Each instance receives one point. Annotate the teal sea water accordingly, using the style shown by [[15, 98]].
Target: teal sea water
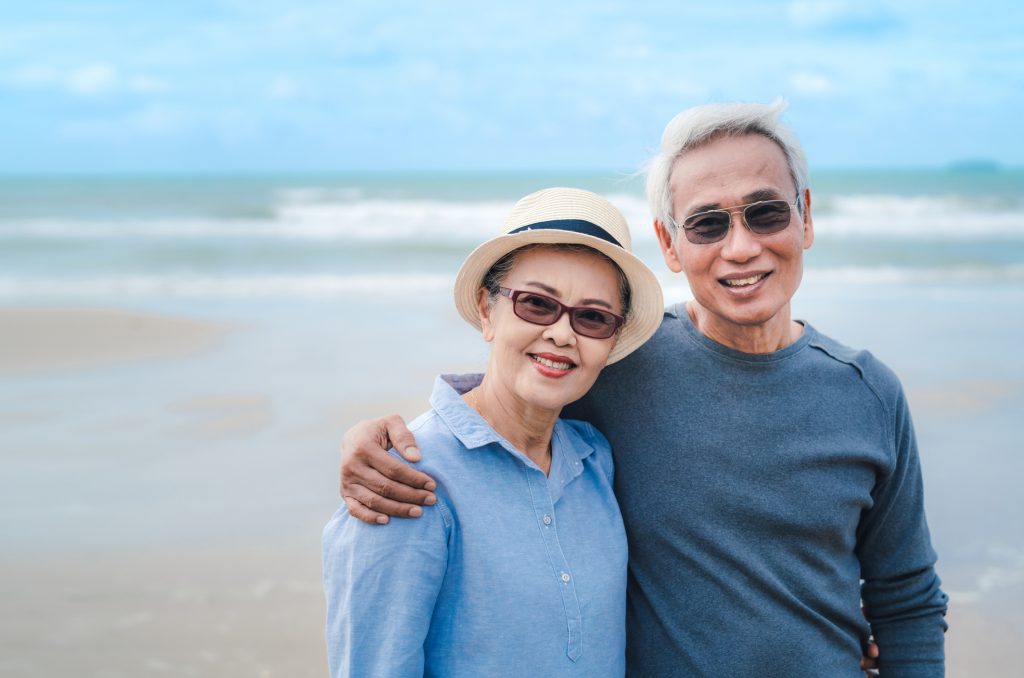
[[338, 293], [199, 238]]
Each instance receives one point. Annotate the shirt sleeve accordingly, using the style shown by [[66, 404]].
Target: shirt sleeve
[[381, 584], [901, 591]]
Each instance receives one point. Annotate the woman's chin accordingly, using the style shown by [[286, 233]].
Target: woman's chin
[[554, 396]]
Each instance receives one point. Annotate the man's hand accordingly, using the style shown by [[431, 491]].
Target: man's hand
[[869, 662], [374, 484]]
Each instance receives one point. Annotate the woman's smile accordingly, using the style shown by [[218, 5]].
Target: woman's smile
[[551, 365]]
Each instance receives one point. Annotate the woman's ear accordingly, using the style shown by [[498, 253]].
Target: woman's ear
[[483, 308]]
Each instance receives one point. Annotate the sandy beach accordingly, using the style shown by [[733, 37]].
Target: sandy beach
[[47, 339], [224, 610], [163, 509], [230, 231], [179, 360], [165, 489]]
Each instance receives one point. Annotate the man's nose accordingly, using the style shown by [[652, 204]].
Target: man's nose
[[740, 243]]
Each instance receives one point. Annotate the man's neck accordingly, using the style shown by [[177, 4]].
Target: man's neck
[[776, 334]]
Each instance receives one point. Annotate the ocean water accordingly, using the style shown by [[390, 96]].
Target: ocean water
[[198, 238], [338, 293]]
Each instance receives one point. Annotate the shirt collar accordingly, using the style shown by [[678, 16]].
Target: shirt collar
[[472, 431]]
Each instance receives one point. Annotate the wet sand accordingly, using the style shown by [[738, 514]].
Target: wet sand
[[231, 610], [167, 477], [49, 339]]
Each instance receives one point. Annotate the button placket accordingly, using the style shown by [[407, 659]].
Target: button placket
[[544, 509]]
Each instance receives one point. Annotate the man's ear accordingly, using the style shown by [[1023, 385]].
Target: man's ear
[[808, 221], [483, 308], [667, 246]]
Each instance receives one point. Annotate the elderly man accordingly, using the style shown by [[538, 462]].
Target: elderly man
[[768, 475]]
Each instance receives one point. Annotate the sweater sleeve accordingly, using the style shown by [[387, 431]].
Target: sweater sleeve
[[381, 586], [901, 591]]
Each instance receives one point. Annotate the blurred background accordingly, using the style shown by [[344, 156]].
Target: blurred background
[[229, 230]]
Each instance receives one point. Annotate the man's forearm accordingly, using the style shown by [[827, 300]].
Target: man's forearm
[[912, 648]]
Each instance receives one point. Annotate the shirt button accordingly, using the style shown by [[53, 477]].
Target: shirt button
[[566, 577], [547, 520]]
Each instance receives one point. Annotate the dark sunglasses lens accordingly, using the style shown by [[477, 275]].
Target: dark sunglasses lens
[[767, 217], [707, 227], [536, 308], [593, 323]]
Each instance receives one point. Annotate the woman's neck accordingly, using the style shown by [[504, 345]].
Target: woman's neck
[[527, 427]]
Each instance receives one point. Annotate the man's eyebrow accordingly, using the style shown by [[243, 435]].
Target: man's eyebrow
[[555, 293], [707, 207], [755, 196], [762, 194]]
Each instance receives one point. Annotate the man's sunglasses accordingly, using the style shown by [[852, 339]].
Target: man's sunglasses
[[763, 218], [538, 309]]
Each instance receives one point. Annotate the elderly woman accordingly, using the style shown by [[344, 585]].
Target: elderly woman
[[520, 567]]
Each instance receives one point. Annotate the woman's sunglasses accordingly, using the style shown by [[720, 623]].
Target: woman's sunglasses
[[538, 309], [763, 218]]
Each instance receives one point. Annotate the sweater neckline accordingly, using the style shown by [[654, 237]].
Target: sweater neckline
[[707, 343]]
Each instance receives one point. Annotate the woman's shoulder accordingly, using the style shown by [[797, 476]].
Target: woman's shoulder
[[435, 442], [585, 432], [439, 446], [443, 455]]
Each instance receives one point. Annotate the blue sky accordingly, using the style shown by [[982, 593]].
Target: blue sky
[[268, 85]]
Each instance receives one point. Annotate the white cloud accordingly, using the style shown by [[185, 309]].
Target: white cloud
[[283, 88], [92, 79], [150, 121], [810, 13], [863, 18], [810, 83], [156, 119], [144, 84], [33, 76], [88, 80], [631, 52]]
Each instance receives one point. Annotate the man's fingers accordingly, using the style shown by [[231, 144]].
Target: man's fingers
[[410, 453], [869, 661], [380, 484], [400, 472], [401, 439], [377, 505], [368, 468], [358, 446], [357, 510]]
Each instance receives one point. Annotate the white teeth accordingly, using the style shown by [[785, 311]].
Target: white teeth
[[551, 363], [740, 282]]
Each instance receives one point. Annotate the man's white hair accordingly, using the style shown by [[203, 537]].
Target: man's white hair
[[697, 126]]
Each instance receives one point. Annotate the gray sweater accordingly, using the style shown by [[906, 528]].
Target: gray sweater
[[758, 491]]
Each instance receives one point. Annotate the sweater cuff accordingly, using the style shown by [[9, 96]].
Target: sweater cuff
[[912, 648]]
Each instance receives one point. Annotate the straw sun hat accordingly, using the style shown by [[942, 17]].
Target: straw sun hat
[[569, 216]]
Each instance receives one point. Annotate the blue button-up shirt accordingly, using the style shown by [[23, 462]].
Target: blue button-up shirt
[[512, 572]]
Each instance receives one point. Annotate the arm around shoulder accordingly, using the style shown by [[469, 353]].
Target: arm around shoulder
[[376, 485]]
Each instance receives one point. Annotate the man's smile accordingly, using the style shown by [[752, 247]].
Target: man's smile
[[744, 282]]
